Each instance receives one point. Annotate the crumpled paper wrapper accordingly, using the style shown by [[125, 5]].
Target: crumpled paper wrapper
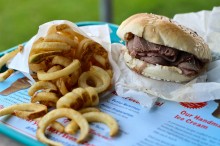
[[98, 33], [146, 90]]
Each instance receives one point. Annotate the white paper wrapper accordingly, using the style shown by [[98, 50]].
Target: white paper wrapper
[[205, 23], [146, 91]]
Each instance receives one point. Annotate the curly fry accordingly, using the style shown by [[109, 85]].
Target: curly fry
[[58, 113], [74, 66], [25, 110], [41, 85]]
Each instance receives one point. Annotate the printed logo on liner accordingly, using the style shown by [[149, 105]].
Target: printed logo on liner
[[193, 105]]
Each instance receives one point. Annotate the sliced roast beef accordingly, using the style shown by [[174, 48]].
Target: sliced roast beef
[[163, 55], [152, 57], [154, 60], [189, 64]]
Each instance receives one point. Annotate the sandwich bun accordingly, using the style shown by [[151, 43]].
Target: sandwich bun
[[163, 31]]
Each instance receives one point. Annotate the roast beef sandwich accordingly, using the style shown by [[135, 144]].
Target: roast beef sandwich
[[159, 48]]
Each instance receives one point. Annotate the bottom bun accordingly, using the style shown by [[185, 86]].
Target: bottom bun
[[158, 72]]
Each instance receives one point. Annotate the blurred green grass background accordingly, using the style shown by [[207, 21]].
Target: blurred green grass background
[[19, 20]]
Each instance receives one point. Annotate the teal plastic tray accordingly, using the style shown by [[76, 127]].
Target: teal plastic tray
[[23, 139]]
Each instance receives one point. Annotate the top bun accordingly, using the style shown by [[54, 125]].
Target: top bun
[[163, 31]]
